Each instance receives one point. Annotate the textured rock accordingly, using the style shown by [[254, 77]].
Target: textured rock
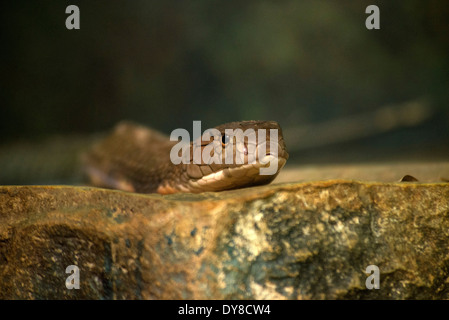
[[380, 172], [290, 241]]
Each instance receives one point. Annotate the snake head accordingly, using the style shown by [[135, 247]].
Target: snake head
[[235, 155]]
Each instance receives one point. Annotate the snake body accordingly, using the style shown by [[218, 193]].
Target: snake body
[[137, 159]]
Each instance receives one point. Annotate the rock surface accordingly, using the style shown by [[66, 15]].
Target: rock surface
[[380, 172], [311, 240]]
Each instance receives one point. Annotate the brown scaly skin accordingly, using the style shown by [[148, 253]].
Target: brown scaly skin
[[137, 159]]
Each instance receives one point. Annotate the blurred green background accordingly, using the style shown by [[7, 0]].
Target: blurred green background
[[310, 65]]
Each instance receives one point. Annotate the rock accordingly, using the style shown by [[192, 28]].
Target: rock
[[310, 240], [424, 171]]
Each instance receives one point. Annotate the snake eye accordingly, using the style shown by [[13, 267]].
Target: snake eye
[[224, 139]]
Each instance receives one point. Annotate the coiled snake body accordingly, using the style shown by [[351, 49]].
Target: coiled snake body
[[137, 159]]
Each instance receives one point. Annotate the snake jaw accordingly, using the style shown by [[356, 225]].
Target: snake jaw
[[249, 168], [236, 177]]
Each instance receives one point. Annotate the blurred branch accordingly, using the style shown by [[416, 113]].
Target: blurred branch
[[384, 119]]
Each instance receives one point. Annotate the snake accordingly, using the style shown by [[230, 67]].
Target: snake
[[135, 158]]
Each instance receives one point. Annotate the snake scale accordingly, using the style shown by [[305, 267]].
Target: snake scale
[[137, 159]]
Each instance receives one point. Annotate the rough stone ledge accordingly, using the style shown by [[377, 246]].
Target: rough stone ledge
[[309, 240]]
